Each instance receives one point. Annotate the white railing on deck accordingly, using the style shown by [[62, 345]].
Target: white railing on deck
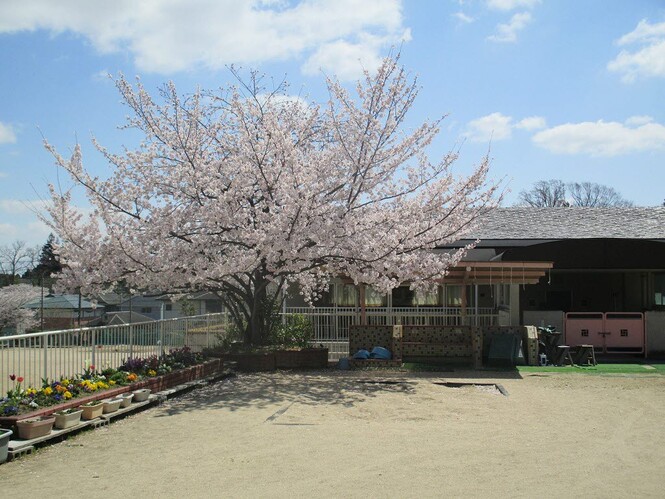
[[331, 324], [52, 354]]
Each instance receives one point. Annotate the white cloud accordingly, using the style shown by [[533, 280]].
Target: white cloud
[[34, 232], [497, 126], [18, 207], [8, 233], [494, 126], [101, 75], [648, 59], [7, 135], [602, 138], [531, 123], [3, 175], [507, 33], [461, 16], [511, 4], [638, 120], [179, 35], [347, 60], [643, 33]]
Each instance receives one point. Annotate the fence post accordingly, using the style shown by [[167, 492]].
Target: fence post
[[93, 344], [161, 336], [131, 339], [45, 340], [207, 330]]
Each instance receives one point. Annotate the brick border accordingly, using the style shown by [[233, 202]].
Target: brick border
[[156, 384]]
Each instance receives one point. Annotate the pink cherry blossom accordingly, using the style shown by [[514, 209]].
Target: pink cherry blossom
[[247, 190]]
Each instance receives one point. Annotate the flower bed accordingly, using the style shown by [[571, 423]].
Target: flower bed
[[155, 373], [306, 358]]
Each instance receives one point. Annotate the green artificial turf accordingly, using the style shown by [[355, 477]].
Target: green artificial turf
[[636, 368]]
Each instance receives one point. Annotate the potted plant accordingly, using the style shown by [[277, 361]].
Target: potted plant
[[66, 418], [35, 427], [126, 399], [4, 444], [141, 395], [92, 409], [111, 405]]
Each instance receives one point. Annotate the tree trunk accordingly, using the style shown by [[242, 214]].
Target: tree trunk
[[258, 327]]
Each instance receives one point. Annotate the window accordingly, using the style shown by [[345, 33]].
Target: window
[[146, 310], [213, 306], [346, 295], [454, 295], [169, 307], [374, 298], [427, 298], [659, 289]]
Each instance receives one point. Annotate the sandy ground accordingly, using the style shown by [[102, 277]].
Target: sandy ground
[[332, 435]]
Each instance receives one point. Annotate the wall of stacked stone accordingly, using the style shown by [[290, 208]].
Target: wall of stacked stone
[[420, 342]]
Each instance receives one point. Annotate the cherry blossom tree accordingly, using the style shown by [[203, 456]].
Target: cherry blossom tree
[[12, 299], [246, 190]]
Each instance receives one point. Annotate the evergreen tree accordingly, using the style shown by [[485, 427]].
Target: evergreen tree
[[48, 262]]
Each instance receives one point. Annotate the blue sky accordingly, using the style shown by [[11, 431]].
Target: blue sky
[[563, 89]]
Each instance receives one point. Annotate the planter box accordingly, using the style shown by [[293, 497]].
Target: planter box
[[92, 411], [111, 405], [126, 399], [63, 421], [307, 358], [155, 384], [4, 444], [141, 395], [35, 428], [252, 362]]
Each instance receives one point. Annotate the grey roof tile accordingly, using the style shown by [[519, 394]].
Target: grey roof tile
[[572, 223]]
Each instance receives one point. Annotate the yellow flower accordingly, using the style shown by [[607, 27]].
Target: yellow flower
[[48, 390], [111, 383], [67, 395], [64, 382], [152, 372]]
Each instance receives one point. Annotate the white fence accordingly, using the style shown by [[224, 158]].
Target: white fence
[[331, 324], [52, 354]]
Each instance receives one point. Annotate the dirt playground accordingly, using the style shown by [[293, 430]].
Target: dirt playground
[[371, 434]]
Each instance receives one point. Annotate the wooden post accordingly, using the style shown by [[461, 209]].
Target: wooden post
[[363, 310]]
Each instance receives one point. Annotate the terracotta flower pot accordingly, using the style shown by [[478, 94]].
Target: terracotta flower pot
[[141, 395], [35, 427], [67, 420], [92, 411], [126, 399], [111, 405]]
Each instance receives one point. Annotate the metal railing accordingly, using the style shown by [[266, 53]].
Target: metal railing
[[331, 324], [52, 354]]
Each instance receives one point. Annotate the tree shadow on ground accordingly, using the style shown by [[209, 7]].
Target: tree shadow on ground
[[328, 388]]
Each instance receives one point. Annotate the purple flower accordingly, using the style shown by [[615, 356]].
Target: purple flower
[[10, 410]]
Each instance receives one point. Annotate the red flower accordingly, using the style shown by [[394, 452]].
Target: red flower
[[20, 379], [12, 377], [92, 367]]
